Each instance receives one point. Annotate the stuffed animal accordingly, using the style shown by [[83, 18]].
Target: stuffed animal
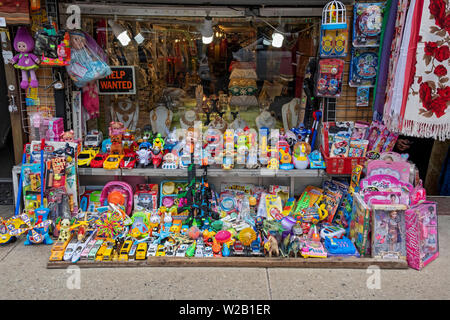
[[90, 99], [25, 61], [64, 231], [116, 144], [116, 128]]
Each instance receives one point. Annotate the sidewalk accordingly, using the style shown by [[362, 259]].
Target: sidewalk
[[24, 276]]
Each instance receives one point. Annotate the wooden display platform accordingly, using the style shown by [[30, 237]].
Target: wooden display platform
[[239, 262]]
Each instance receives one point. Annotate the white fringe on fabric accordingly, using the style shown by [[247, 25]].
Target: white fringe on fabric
[[426, 130]]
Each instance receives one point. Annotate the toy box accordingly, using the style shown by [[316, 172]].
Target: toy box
[[146, 198], [422, 245], [389, 232], [360, 225]]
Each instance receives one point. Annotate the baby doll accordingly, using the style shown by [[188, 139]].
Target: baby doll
[[25, 60]]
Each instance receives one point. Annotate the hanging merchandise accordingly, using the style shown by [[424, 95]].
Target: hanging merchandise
[[25, 61], [426, 90], [362, 96], [90, 99], [334, 31], [329, 78], [367, 23], [88, 61], [52, 47], [363, 67]]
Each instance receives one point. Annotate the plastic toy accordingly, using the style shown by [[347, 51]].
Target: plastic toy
[[300, 155], [271, 246], [123, 188], [85, 157], [363, 68], [157, 156], [93, 139], [98, 160], [238, 249], [143, 154], [128, 161], [339, 246], [331, 231], [112, 162], [25, 61], [247, 236], [106, 145], [367, 24], [274, 206], [170, 161], [53, 47], [316, 160], [313, 249]]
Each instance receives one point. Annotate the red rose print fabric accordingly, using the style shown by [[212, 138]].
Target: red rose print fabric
[[427, 112]]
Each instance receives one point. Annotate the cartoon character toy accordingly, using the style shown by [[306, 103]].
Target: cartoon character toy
[[25, 61]]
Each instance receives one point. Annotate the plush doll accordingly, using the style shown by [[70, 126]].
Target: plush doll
[[25, 60], [90, 99]]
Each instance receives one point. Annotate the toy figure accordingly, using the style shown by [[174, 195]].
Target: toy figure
[[271, 246], [67, 136], [64, 230], [26, 61], [393, 230]]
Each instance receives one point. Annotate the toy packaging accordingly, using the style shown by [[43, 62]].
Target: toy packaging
[[389, 232], [52, 47], [363, 69], [362, 96], [422, 243], [329, 78], [340, 147], [88, 61], [358, 148], [360, 225], [333, 43], [367, 23]]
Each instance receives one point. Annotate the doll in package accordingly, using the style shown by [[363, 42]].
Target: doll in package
[[88, 61]]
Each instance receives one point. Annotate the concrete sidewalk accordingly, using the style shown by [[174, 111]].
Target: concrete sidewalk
[[24, 276]]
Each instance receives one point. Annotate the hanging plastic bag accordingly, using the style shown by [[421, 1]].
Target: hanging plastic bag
[[88, 61]]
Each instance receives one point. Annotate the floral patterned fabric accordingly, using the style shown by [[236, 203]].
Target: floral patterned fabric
[[426, 111]]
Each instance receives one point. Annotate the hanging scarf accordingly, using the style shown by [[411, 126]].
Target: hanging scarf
[[427, 93], [383, 54]]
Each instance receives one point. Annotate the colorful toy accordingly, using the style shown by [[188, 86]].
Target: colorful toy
[[339, 247], [422, 244], [271, 246], [53, 47], [119, 188], [300, 155], [313, 249], [367, 24], [363, 68], [329, 80], [25, 61]]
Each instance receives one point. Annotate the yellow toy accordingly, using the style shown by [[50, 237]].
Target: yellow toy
[[247, 236]]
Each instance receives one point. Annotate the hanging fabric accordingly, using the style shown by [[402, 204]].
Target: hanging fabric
[[425, 112]]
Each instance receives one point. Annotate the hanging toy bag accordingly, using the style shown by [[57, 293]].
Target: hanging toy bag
[[88, 61]]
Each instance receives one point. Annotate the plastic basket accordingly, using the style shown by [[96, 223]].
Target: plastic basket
[[341, 165]]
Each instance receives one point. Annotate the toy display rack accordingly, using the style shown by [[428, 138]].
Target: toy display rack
[[240, 262]]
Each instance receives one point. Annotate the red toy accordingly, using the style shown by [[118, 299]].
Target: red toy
[[128, 161], [157, 157], [97, 162]]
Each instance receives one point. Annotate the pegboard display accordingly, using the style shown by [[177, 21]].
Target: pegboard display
[[344, 108]]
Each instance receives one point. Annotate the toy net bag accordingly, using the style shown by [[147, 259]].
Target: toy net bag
[[88, 61]]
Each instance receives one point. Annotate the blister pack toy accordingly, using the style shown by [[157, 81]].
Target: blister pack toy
[[340, 147], [333, 43], [363, 68], [362, 96], [329, 78], [367, 24], [52, 47]]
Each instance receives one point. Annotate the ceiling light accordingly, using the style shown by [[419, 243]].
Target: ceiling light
[[277, 39], [120, 33]]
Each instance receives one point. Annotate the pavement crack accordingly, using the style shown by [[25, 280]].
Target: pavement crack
[[268, 283]]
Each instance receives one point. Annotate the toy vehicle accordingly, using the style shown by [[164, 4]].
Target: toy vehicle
[[181, 251], [128, 161], [256, 249], [87, 249], [85, 157], [112, 161], [160, 252], [58, 249], [170, 251], [93, 139], [238, 249], [92, 254], [68, 253], [101, 251], [123, 253], [208, 253], [152, 248], [132, 252], [141, 251], [107, 254], [98, 160], [330, 231], [143, 156]]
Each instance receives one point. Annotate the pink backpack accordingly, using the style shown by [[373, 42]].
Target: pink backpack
[[122, 187]]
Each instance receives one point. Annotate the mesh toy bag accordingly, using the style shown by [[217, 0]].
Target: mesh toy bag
[[88, 61]]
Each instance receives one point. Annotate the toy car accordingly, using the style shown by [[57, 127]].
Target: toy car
[[160, 252], [181, 251], [98, 160], [123, 254], [112, 161], [238, 249], [70, 250], [132, 252], [141, 251], [256, 249], [92, 254], [85, 157], [152, 248], [93, 139], [170, 251], [128, 161], [107, 254], [101, 251], [199, 252]]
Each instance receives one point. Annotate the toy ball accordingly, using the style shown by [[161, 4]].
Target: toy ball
[[194, 233], [247, 236], [223, 236], [116, 197]]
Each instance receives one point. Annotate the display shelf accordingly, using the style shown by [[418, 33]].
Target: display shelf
[[98, 172], [242, 262]]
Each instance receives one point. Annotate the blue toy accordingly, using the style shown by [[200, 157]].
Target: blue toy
[[316, 160], [340, 246], [106, 145], [225, 250]]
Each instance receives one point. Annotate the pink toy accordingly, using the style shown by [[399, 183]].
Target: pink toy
[[384, 182], [374, 132], [390, 142], [418, 194], [223, 236], [422, 245], [399, 170], [25, 60], [116, 128], [383, 197], [360, 131], [67, 136], [124, 188], [90, 99]]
